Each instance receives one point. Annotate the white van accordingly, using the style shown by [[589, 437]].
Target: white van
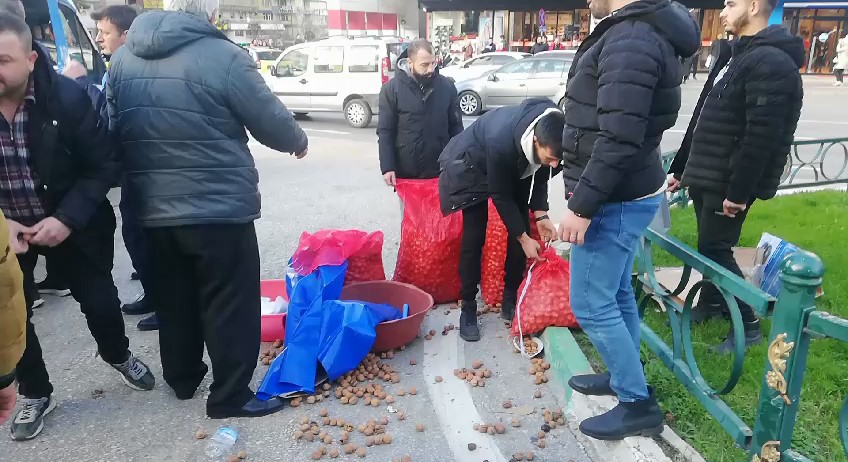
[[336, 74]]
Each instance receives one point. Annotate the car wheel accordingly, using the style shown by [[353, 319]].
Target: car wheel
[[358, 113], [470, 104]]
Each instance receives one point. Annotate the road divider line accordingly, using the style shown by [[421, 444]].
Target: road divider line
[[451, 398], [320, 130]]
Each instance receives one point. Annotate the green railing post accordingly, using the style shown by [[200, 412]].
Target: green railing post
[[801, 274]]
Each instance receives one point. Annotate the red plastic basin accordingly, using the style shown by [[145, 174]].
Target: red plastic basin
[[400, 332], [273, 325]]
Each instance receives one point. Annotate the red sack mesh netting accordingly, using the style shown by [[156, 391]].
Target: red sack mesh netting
[[363, 252], [494, 256], [546, 302], [428, 257]]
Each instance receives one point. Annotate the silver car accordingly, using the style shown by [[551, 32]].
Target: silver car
[[542, 77]]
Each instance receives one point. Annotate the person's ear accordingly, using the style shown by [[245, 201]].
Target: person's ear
[[33, 56]]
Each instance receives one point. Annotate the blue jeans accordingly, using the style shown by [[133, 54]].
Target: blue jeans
[[602, 295]]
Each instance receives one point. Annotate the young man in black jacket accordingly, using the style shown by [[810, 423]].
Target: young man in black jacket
[[508, 154], [623, 93], [419, 114], [739, 139], [58, 164]]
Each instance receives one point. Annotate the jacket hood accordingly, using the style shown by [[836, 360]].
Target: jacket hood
[[778, 37], [159, 33], [670, 19]]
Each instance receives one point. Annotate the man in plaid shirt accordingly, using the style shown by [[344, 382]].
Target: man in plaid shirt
[[56, 166]]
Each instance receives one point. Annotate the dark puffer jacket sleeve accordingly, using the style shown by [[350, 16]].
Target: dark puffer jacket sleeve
[[629, 67], [258, 109], [387, 128], [770, 88]]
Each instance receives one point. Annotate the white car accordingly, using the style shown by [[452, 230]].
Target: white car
[[475, 67]]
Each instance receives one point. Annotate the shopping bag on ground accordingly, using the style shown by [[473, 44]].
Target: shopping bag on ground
[[494, 256], [543, 299], [428, 257], [362, 250]]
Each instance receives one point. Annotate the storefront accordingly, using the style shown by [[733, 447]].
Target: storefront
[[820, 25]]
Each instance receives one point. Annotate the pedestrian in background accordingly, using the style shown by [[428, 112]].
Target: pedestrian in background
[[58, 165], [419, 114], [180, 96], [840, 63], [540, 45], [509, 155], [738, 141], [13, 316], [623, 94]]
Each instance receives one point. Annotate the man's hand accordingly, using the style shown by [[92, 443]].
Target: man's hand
[[301, 154], [390, 179], [50, 232], [673, 184], [573, 228], [732, 208], [7, 402], [531, 247], [19, 236], [546, 229], [74, 70]]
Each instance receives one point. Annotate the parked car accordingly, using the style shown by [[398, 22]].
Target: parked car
[[557, 54], [534, 77], [264, 57], [475, 67], [336, 74]]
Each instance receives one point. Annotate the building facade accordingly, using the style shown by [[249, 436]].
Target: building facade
[[399, 18]]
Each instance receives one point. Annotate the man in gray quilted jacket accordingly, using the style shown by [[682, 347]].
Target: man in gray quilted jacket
[[180, 97]]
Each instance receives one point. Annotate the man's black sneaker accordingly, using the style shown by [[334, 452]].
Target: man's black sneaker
[[138, 307], [468, 328], [149, 323], [753, 336], [592, 384], [135, 374], [253, 408], [29, 421], [508, 304], [52, 286]]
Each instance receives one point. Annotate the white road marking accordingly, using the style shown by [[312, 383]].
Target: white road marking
[[452, 400], [331, 132]]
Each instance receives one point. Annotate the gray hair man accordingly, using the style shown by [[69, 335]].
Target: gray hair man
[[180, 97]]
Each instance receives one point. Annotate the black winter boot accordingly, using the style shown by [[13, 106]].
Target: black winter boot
[[468, 328], [753, 336], [508, 305], [592, 384], [703, 311], [639, 418]]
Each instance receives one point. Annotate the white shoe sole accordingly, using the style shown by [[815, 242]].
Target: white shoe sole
[[55, 292], [50, 406], [37, 303]]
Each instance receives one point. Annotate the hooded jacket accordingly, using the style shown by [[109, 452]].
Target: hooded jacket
[[416, 122], [743, 127], [12, 310], [491, 159], [623, 93], [180, 96]]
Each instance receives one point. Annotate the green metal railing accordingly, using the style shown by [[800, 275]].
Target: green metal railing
[[795, 322]]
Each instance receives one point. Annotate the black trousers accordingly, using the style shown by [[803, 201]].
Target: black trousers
[[205, 286], [84, 261], [474, 221], [839, 74], [717, 235], [134, 239]]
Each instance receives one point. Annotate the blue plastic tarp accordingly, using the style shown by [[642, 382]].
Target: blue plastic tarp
[[320, 328]]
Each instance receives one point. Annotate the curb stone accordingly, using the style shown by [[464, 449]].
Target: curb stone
[[566, 359]]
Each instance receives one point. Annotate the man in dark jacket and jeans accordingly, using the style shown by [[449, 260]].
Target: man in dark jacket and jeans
[[623, 93], [508, 155], [738, 141], [180, 96], [419, 114], [58, 164]]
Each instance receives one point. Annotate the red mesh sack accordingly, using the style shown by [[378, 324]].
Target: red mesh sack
[[363, 252], [428, 257], [494, 256], [546, 299]]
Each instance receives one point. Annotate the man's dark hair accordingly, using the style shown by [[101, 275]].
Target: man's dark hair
[[419, 44], [121, 16], [548, 131], [14, 24]]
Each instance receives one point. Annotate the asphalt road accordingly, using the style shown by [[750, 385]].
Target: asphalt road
[[337, 186]]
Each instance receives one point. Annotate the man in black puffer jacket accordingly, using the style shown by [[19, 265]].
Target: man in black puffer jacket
[[508, 155], [623, 93], [419, 114], [738, 141]]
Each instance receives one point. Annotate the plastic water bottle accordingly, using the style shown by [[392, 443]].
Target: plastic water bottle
[[220, 445]]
